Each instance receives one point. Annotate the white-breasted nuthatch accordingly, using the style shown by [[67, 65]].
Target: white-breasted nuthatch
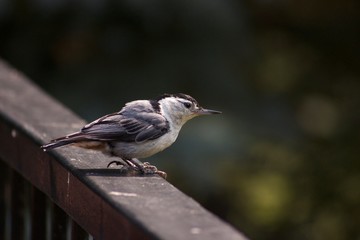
[[140, 129]]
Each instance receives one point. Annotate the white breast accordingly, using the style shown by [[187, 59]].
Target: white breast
[[144, 149]]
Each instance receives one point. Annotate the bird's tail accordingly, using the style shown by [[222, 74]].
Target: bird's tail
[[58, 142]]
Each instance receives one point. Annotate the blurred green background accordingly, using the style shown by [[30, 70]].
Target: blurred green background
[[282, 161]]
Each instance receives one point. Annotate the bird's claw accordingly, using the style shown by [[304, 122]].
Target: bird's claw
[[116, 162], [147, 168], [162, 174]]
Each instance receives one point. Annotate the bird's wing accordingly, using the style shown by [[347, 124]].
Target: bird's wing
[[138, 127]]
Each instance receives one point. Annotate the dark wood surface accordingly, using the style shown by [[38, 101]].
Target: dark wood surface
[[106, 203]]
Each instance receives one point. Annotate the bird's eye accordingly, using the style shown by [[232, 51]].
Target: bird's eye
[[187, 104]]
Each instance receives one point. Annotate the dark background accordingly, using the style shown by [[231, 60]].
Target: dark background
[[282, 161]]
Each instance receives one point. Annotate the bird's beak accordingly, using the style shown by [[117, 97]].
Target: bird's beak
[[204, 111]]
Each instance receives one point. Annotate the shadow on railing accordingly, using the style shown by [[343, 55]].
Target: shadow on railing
[[69, 194]]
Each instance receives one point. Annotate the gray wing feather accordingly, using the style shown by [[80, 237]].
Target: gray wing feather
[[138, 127]]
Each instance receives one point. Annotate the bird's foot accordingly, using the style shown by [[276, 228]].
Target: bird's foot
[[161, 174], [116, 162], [124, 166], [135, 165], [147, 168]]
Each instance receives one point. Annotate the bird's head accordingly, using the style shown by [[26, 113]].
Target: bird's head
[[181, 107]]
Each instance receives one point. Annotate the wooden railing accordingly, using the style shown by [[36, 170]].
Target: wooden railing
[[69, 193]]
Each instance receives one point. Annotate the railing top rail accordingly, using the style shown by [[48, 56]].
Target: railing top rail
[[105, 203]]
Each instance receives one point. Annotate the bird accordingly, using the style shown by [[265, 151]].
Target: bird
[[139, 130]]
